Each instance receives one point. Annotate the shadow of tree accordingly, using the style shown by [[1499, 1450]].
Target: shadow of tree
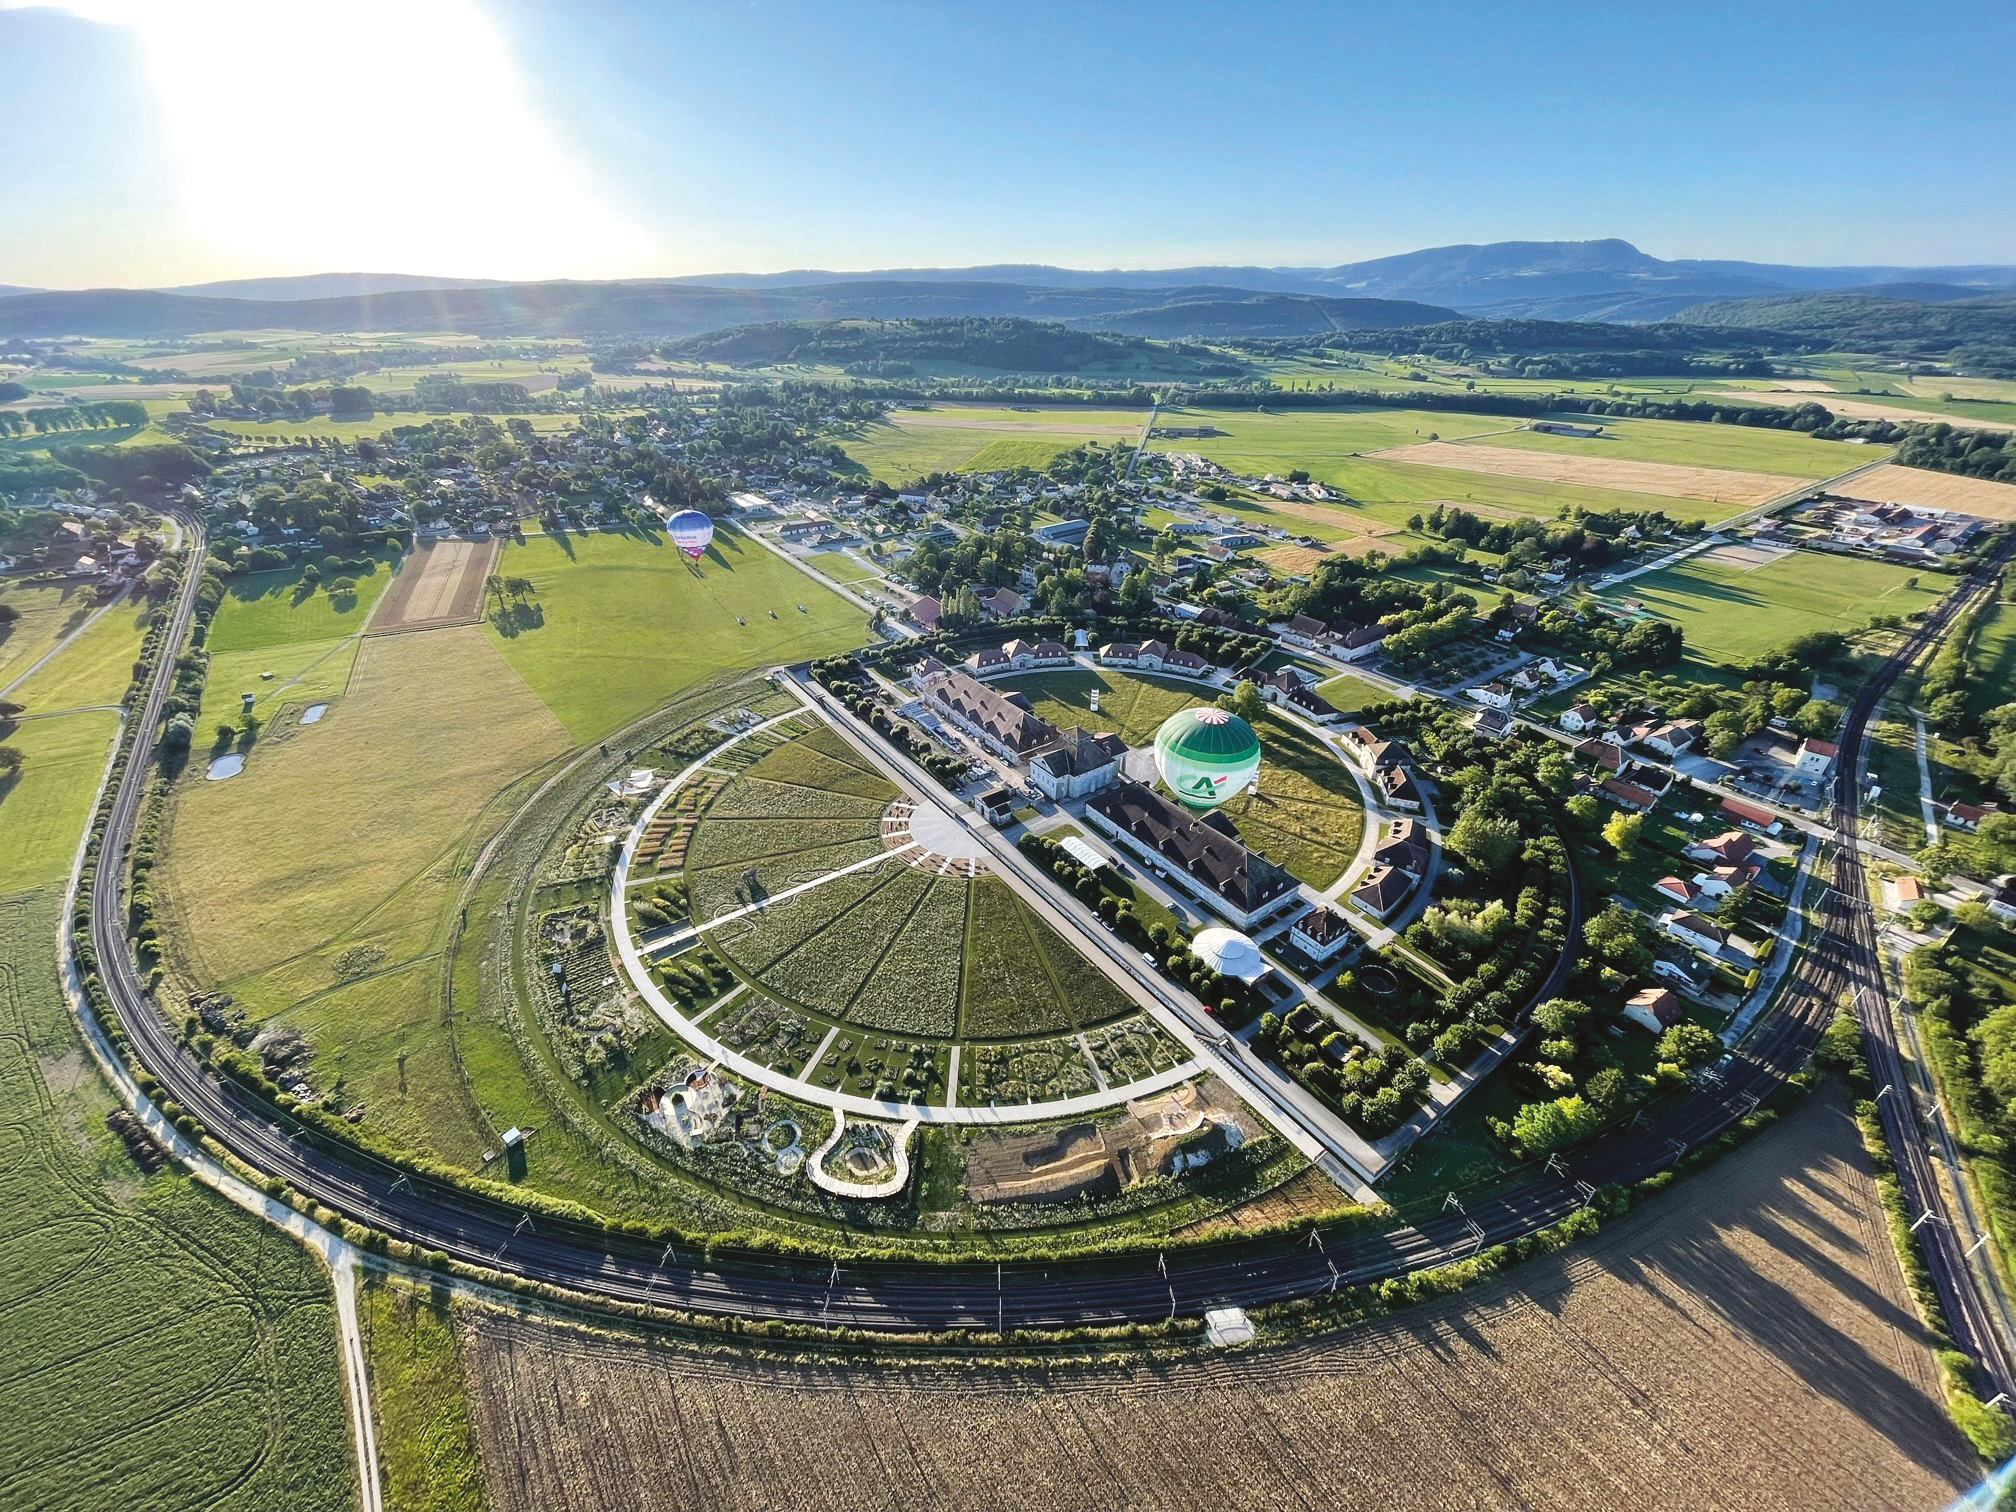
[[514, 620]]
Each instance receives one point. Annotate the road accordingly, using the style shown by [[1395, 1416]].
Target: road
[[909, 1295]]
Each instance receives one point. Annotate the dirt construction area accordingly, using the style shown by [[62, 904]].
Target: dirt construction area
[[1743, 1342], [439, 583], [1721, 485], [1892, 484]]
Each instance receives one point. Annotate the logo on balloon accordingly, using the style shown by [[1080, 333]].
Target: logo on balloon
[[691, 531]]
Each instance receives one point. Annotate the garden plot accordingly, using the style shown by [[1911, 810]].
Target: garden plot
[[915, 986], [832, 966], [1028, 1071]]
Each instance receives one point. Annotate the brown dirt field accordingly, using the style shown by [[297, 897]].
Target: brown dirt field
[[438, 584], [1742, 1343], [1854, 409], [1297, 560], [1709, 484], [1892, 484]]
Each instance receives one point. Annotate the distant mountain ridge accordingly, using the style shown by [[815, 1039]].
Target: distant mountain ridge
[[1607, 280]]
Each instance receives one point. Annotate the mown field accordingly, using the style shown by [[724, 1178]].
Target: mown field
[[1733, 612], [44, 806], [341, 831], [268, 609], [93, 670], [420, 1406], [1742, 1343], [1688, 443], [46, 612], [1308, 815], [624, 624], [912, 444], [1994, 656]]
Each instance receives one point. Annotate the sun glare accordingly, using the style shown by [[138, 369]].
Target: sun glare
[[373, 134]]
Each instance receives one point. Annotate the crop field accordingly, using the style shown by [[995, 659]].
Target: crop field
[[1709, 485], [1732, 613], [439, 583], [1742, 1343], [93, 670], [911, 444], [326, 827], [1694, 444], [266, 609], [1307, 816], [163, 1349], [45, 806], [625, 624], [1892, 484]]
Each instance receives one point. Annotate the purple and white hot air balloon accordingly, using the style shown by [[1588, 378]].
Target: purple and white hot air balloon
[[691, 531]]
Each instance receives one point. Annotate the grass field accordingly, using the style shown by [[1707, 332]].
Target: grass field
[[94, 669], [1994, 656], [419, 1403], [48, 612], [329, 824], [972, 438], [1352, 693], [162, 1348], [1687, 443], [262, 609], [44, 807], [1732, 613], [304, 672], [626, 625], [1307, 816], [1757, 1309]]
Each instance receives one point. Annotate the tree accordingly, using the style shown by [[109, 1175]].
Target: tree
[[1245, 701], [1616, 936], [11, 760], [1621, 833], [1544, 1126], [1584, 810], [1689, 1045], [1489, 842]]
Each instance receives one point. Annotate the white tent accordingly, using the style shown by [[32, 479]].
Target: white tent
[[1229, 953]]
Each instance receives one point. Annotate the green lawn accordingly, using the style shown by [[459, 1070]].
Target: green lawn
[[276, 609], [1731, 613], [1352, 693], [44, 807], [1994, 658], [1687, 443], [626, 624]]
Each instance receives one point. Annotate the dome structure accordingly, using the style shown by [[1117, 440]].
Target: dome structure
[[1229, 953], [1206, 755]]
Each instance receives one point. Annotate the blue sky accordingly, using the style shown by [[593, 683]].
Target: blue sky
[[163, 141]]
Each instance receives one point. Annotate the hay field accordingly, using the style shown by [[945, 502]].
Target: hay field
[[1732, 611], [1893, 484], [1869, 409], [623, 625], [1717, 485], [1743, 1343], [162, 1348], [328, 823]]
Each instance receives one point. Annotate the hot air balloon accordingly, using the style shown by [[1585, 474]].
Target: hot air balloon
[[691, 531], [1206, 756]]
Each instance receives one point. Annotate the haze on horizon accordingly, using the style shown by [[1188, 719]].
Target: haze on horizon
[[181, 141]]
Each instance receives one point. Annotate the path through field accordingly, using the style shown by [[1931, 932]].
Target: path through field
[[1743, 1343]]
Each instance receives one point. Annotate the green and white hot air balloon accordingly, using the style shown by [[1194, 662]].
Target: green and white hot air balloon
[[1206, 756]]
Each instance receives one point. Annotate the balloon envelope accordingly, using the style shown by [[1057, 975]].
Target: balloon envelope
[[1206, 756], [691, 531]]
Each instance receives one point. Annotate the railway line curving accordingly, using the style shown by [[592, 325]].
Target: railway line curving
[[954, 1296]]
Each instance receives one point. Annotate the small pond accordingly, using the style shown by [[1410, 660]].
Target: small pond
[[226, 766], [313, 712]]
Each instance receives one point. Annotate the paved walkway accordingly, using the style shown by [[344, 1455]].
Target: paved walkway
[[888, 1186], [1925, 783], [1671, 559]]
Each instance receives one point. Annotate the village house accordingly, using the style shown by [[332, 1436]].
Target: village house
[[1815, 758], [1494, 724], [1672, 739], [1655, 1008], [1581, 718]]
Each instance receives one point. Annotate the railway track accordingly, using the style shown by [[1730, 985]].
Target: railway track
[[909, 1296]]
